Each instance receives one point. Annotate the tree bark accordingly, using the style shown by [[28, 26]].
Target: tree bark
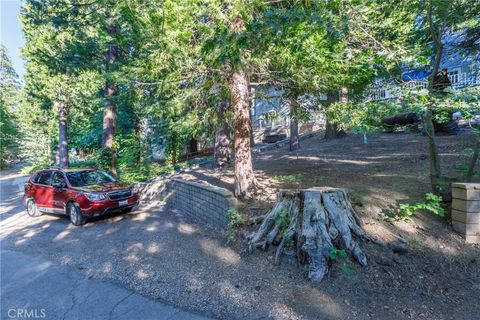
[[193, 146], [223, 144], [62, 134], [252, 136], [294, 138], [110, 119], [473, 161], [435, 169], [245, 182], [310, 224], [110, 114]]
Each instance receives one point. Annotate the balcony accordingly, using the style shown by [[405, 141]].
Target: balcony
[[394, 90]]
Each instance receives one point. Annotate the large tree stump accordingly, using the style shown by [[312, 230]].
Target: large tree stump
[[311, 223]]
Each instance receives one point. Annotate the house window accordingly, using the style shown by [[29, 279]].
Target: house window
[[454, 76]]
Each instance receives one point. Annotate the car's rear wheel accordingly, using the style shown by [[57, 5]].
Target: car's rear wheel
[[32, 209], [75, 214]]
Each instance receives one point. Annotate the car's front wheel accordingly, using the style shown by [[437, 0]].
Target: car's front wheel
[[75, 215], [32, 209]]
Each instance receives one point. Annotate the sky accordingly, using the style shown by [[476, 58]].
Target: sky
[[11, 34]]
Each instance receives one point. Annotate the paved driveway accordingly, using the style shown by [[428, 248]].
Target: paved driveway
[[33, 286], [151, 253]]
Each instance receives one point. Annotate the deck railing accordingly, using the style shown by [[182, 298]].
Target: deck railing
[[392, 90]]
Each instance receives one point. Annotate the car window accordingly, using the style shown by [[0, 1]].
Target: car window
[[44, 178], [58, 180], [89, 178], [35, 178]]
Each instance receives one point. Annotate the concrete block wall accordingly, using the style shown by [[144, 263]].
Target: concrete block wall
[[466, 210], [203, 203]]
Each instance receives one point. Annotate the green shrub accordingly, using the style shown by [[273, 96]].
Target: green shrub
[[283, 218], [432, 204], [234, 219], [340, 254], [335, 253], [83, 164]]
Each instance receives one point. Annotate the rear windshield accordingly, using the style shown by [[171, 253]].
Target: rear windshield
[[89, 178]]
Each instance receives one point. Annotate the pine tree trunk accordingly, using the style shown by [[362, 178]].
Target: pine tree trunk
[[294, 138], [110, 119], [110, 114], [252, 136], [193, 146], [435, 169], [245, 182], [223, 145], [62, 134], [473, 161]]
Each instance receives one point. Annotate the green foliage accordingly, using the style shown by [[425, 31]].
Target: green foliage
[[34, 167], [340, 254], [283, 218], [347, 270], [431, 204], [365, 117], [292, 178], [103, 158], [233, 219], [335, 253], [83, 164], [175, 60], [9, 96], [9, 134]]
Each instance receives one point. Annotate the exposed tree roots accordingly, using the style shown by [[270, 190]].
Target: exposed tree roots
[[310, 223]]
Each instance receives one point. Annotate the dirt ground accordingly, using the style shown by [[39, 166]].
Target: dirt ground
[[437, 278], [165, 256]]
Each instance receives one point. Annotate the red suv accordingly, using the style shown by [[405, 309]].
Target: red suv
[[78, 193]]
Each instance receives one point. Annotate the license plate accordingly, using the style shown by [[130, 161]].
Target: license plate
[[123, 203]]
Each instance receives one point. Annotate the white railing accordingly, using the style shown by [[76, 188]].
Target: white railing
[[390, 91]]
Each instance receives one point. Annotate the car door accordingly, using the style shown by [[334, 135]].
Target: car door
[[44, 191], [59, 186]]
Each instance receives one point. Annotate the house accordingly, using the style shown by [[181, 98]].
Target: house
[[463, 70], [270, 112]]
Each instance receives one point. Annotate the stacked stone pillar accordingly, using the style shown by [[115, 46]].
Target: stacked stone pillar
[[466, 210]]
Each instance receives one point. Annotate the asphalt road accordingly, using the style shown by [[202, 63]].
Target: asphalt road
[[34, 287]]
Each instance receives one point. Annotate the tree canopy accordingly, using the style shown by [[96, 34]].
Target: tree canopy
[[125, 80]]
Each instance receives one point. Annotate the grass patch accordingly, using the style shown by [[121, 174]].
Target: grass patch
[[291, 178]]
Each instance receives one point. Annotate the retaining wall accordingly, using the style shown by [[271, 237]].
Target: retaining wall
[[203, 203]]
